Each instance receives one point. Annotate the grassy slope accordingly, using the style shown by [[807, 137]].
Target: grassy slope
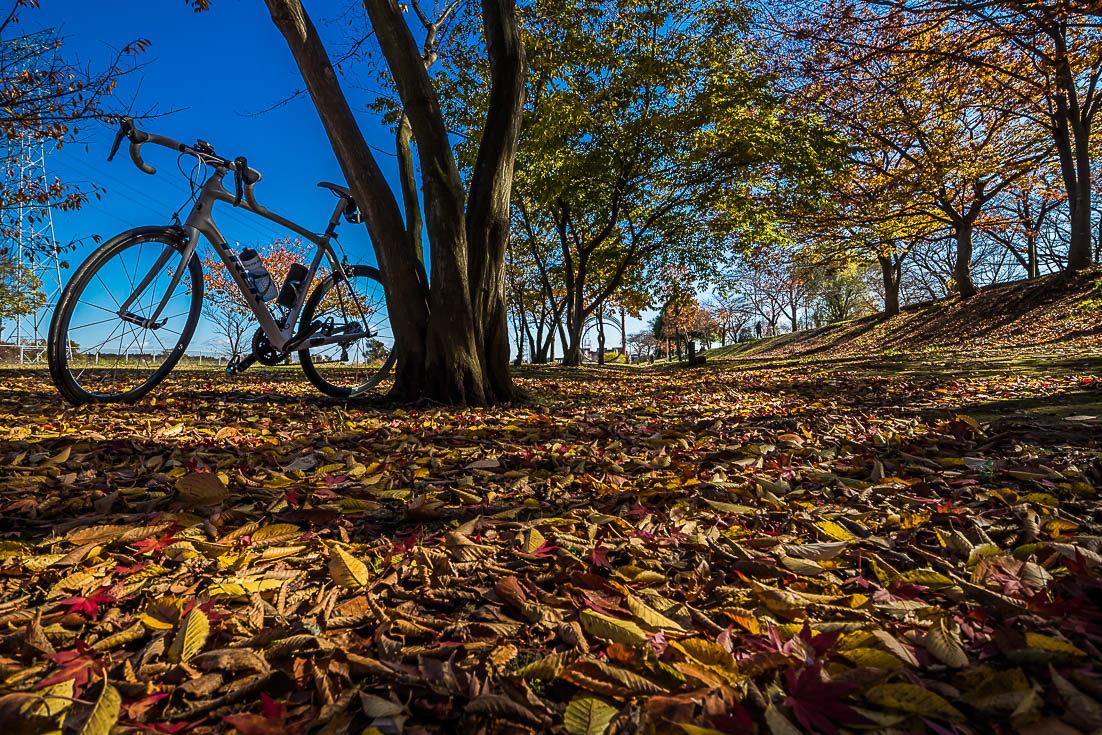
[[1054, 316], [1050, 327]]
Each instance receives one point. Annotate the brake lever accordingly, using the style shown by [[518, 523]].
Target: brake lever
[[115, 146]]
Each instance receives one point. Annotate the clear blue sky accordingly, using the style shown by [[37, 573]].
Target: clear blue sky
[[210, 72], [215, 69]]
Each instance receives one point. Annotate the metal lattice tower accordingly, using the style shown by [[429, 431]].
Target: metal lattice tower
[[28, 226]]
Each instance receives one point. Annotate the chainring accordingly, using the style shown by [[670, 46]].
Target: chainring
[[265, 353]]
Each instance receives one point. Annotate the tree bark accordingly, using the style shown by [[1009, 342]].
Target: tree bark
[[403, 139], [451, 335], [373, 195], [1098, 243], [600, 337], [962, 269], [889, 273], [573, 355], [623, 333], [1071, 132]]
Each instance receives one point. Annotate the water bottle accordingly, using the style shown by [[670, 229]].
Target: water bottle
[[258, 274]]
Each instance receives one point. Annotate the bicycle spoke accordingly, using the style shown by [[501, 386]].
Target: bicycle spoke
[[135, 354]]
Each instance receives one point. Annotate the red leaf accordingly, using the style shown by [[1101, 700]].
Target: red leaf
[[816, 703]]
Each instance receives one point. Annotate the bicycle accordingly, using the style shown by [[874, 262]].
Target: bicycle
[[339, 329]]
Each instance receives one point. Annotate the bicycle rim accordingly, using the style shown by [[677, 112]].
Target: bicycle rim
[[357, 304], [102, 356]]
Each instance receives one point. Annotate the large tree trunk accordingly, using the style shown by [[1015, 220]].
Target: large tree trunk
[[1072, 139], [1032, 267], [451, 337], [573, 354], [1098, 243], [600, 337], [1079, 248], [624, 333], [891, 285], [384, 221], [962, 270]]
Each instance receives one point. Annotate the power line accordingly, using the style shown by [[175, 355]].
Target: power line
[[120, 187]]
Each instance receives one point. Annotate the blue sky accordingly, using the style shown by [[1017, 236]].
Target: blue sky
[[208, 74]]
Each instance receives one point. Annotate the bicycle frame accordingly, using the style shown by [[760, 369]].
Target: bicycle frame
[[200, 221]]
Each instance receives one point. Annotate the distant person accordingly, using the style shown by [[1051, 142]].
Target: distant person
[[757, 328]]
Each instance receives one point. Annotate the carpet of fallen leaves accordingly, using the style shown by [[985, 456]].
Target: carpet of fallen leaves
[[701, 551]]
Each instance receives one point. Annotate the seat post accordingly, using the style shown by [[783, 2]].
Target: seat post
[[342, 203]]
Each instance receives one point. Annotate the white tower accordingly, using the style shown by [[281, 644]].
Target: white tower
[[27, 221]]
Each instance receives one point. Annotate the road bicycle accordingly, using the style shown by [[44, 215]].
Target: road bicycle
[[128, 313]]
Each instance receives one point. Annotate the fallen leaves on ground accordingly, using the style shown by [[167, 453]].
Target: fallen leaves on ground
[[705, 551]]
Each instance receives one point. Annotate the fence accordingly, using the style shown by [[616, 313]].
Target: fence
[[35, 354]]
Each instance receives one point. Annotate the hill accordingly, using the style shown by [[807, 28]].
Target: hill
[[1055, 315]]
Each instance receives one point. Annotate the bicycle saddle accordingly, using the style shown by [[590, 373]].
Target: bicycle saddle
[[350, 213], [341, 191]]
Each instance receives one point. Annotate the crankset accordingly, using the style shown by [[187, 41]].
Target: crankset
[[264, 352]]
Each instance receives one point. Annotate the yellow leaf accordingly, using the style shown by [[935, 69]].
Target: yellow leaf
[[191, 637], [346, 570], [873, 658], [61, 457], [532, 540], [548, 667], [275, 531], [913, 699], [834, 531], [56, 699], [1046, 643], [944, 645], [105, 713], [588, 716], [162, 614], [620, 631], [650, 617], [927, 577]]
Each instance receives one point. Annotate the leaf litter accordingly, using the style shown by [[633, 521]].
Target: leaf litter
[[709, 551]]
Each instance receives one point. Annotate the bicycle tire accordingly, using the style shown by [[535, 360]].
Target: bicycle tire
[[306, 360], [58, 345]]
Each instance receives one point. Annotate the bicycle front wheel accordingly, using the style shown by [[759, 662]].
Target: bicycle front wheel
[[102, 345], [354, 304]]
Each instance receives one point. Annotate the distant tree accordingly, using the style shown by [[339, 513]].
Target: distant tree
[[644, 344], [46, 99], [641, 140], [225, 307], [943, 128], [20, 290], [840, 291], [1045, 58], [731, 311], [1027, 211]]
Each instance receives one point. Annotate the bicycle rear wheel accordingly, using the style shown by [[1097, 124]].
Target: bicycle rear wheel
[[99, 352], [354, 304]]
